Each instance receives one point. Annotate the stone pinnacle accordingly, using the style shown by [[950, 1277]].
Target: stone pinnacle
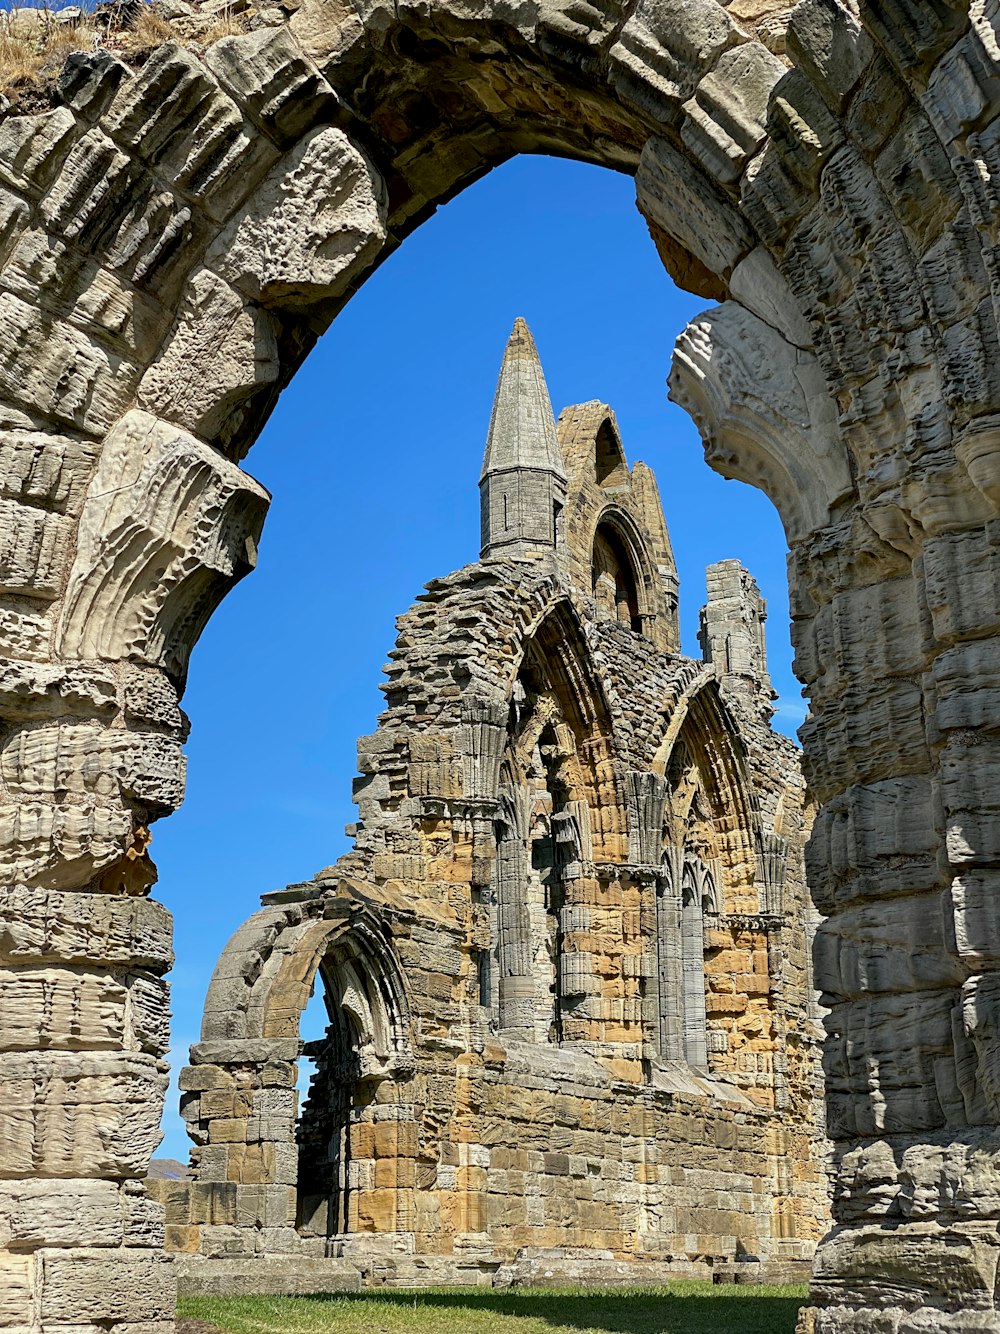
[[522, 431]]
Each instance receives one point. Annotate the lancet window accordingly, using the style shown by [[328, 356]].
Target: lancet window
[[689, 897], [615, 585], [542, 841]]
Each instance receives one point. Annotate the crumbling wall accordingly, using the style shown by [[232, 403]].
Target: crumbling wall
[[495, 1141], [839, 199]]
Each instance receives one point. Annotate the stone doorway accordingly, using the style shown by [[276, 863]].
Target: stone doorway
[[323, 1130]]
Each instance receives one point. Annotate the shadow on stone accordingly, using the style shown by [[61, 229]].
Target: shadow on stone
[[624, 1311]]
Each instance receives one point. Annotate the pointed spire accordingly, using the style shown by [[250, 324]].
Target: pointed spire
[[523, 482], [522, 428]]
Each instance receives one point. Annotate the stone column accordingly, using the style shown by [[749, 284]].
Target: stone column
[[91, 756], [83, 1032]]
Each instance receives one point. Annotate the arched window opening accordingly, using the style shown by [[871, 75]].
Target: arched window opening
[[614, 582], [547, 787], [707, 882], [323, 1133], [351, 1058], [693, 964], [538, 839], [610, 468]]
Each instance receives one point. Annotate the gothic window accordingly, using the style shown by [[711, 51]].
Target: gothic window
[[711, 900], [610, 468], [482, 977], [693, 962], [543, 839], [356, 1050], [668, 955], [613, 580], [535, 841]]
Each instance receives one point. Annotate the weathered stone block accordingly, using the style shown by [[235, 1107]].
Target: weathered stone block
[[277, 86], [679, 200], [40, 924], [92, 1286], [184, 508], [33, 149], [313, 228], [36, 1213], [217, 158], [725, 120], [223, 350], [664, 49], [59, 370], [76, 1114]]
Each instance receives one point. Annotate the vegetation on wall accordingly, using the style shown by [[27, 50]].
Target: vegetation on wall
[[36, 40]]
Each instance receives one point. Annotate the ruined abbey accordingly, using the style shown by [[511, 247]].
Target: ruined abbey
[[178, 225], [566, 963]]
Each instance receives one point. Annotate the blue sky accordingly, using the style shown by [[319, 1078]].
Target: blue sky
[[373, 458]]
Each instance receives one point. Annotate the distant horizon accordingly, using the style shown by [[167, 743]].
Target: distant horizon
[[373, 456]]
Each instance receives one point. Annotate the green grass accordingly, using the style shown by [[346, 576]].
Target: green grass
[[684, 1308]]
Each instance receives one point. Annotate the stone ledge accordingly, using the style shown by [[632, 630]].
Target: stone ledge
[[290, 1275], [279, 1275]]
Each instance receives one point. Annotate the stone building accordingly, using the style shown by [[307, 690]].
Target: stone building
[[177, 227], [566, 963]]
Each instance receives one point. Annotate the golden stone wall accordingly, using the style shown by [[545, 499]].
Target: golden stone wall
[[566, 963]]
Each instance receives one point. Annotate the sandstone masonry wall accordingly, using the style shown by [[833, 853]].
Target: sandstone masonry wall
[[832, 182], [562, 1070]]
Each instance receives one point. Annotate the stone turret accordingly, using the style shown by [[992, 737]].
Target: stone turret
[[523, 482], [732, 632]]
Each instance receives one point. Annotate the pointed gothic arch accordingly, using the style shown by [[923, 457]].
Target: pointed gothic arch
[[556, 778], [300, 1177], [711, 827]]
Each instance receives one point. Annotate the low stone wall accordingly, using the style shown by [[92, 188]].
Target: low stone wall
[[535, 1268], [543, 1150]]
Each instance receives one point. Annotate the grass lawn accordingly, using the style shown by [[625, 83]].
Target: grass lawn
[[683, 1308]]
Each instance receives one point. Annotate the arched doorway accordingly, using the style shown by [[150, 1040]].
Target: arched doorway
[[355, 1055]]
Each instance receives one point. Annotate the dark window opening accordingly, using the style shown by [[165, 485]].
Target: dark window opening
[[614, 583], [610, 468]]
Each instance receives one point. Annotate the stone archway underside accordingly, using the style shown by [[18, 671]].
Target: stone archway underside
[[172, 241]]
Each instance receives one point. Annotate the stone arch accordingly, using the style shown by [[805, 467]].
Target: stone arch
[[701, 722], [213, 211], [709, 828], [267, 972], [559, 807], [290, 1167], [620, 556], [610, 467]]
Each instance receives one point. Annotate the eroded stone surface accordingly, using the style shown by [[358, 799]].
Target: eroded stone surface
[[568, 976], [857, 149]]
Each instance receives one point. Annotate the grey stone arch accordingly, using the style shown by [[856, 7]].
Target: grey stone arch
[[837, 191], [297, 1181]]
